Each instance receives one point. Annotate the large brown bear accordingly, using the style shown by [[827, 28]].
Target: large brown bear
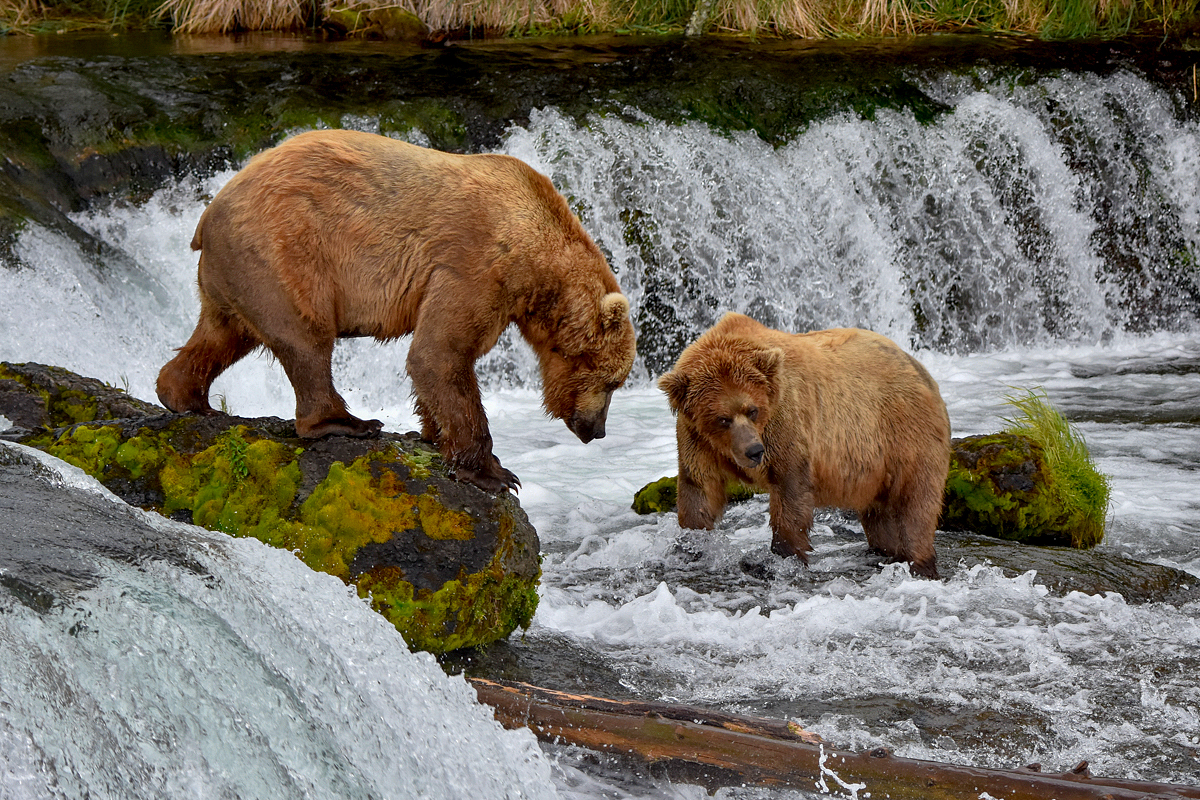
[[831, 418], [342, 233]]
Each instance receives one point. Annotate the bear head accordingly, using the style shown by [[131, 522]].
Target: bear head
[[589, 357], [726, 388]]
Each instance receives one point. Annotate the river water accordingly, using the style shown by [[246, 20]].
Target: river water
[[1041, 231]]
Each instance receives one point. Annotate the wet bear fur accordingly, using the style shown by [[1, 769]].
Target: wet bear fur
[[342, 233], [839, 417]]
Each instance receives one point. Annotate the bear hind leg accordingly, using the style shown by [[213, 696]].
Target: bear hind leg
[[320, 410], [217, 343], [904, 532]]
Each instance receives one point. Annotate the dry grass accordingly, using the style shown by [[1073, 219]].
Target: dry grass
[[19, 14], [221, 16], [786, 18]]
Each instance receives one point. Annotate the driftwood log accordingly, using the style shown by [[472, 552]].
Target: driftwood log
[[713, 749]]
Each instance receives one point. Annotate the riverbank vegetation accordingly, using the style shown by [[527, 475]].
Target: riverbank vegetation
[[437, 20]]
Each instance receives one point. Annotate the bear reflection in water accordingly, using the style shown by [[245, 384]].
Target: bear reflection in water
[[840, 417], [343, 233]]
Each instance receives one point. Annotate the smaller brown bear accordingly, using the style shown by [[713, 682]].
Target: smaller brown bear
[[839, 417], [342, 233]]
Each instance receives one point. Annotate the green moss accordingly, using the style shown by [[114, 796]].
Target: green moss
[[89, 448], [349, 509], [245, 486], [443, 523], [657, 496], [419, 463], [236, 486], [139, 455], [466, 612], [662, 495], [1034, 482]]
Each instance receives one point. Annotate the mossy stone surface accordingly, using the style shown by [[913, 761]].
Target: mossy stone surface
[[1001, 485], [449, 565], [662, 495]]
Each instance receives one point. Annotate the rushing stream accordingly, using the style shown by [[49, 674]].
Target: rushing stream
[[1015, 228]]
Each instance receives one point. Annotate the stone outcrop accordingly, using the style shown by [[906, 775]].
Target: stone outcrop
[[449, 565]]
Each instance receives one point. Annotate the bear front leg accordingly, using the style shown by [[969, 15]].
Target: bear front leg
[[791, 515], [450, 406], [699, 503]]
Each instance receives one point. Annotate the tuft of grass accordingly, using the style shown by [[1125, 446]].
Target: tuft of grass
[[223, 16], [1077, 483]]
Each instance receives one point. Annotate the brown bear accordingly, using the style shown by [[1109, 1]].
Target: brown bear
[[840, 418], [342, 233]]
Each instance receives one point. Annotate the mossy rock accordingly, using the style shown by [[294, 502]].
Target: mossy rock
[[1001, 485], [449, 565], [662, 494], [37, 396]]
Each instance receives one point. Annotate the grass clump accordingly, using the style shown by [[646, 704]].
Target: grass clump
[[1077, 484]]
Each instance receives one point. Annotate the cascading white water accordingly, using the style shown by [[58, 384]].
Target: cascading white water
[[1065, 210], [218, 667]]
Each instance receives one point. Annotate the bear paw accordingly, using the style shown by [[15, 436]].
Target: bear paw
[[493, 479], [341, 426]]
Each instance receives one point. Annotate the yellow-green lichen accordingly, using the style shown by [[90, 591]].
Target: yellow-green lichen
[[466, 612], [236, 486], [419, 463], [70, 406], [89, 448], [474, 609], [139, 455], [244, 486], [351, 508], [443, 523]]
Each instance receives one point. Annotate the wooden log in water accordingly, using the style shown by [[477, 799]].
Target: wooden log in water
[[715, 749]]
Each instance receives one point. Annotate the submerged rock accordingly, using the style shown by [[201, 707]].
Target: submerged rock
[[449, 565]]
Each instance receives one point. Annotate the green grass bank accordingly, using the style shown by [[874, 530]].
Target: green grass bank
[[439, 20]]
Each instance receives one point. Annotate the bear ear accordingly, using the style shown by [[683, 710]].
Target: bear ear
[[614, 307], [675, 384], [767, 361]]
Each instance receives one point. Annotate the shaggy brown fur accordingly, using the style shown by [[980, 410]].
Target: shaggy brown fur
[[830, 418], [341, 233]]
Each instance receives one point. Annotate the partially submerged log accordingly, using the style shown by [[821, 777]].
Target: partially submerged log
[[448, 564], [715, 750]]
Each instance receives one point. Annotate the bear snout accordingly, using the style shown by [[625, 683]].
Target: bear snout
[[747, 447], [590, 425], [586, 429]]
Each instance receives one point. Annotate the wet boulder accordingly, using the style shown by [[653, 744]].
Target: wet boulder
[[450, 565], [1004, 485]]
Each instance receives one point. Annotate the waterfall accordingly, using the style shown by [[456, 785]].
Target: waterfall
[[1065, 209], [1036, 209]]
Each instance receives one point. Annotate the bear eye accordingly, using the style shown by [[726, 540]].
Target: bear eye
[[724, 422], [752, 413]]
